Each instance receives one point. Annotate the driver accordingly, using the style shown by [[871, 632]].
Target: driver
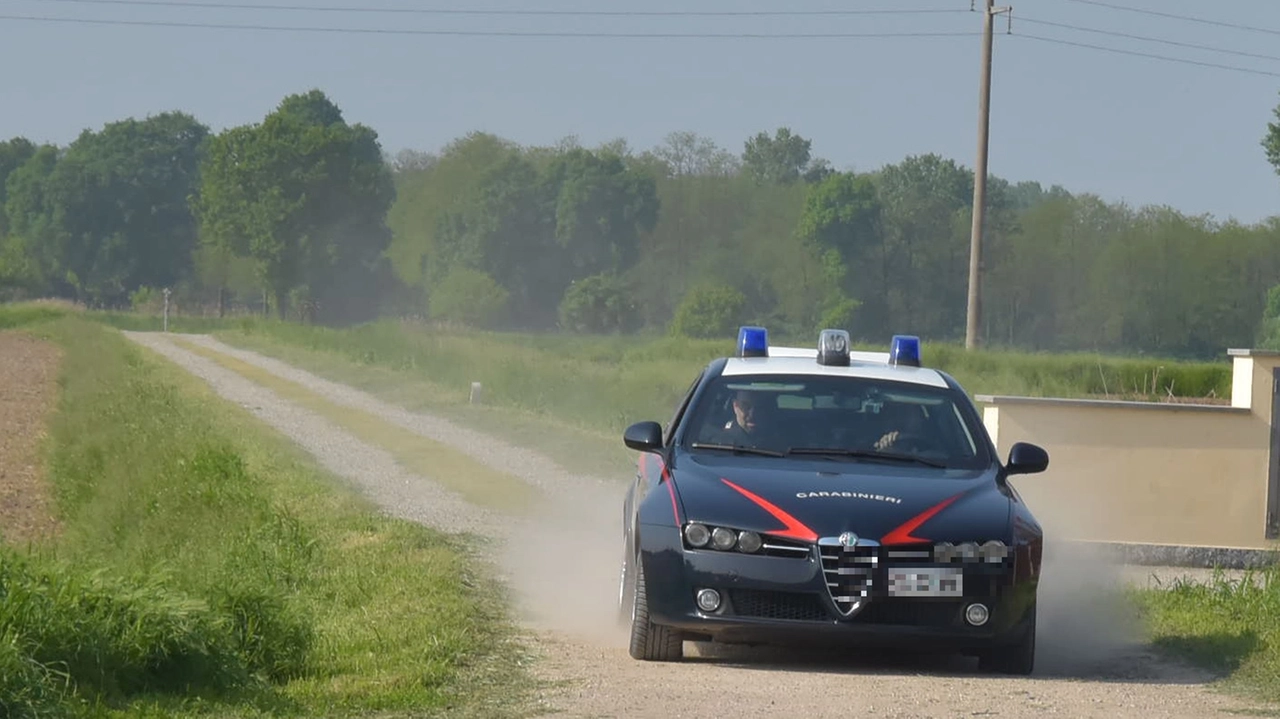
[[751, 420]]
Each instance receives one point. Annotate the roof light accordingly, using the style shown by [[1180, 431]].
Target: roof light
[[905, 350], [833, 348], [753, 342]]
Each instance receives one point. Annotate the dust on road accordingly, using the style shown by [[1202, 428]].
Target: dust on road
[[28, 390], [564, 566]]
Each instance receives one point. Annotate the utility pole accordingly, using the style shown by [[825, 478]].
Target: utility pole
[[980, 177]]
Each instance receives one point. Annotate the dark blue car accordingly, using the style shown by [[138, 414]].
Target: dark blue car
[[825, 495]]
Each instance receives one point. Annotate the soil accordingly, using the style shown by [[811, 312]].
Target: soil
[[28, 391]]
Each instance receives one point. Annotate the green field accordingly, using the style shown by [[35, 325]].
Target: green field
[[208, 566]]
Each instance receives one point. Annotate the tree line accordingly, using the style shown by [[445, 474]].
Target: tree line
[[305, 213]]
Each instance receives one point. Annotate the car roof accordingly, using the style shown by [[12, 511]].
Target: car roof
[[804, 361]]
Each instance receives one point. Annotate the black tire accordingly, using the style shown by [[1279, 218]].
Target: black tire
[[650, 642], [1018, 659]]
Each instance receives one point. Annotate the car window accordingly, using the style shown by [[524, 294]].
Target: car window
[[783, 413], [680, 408]]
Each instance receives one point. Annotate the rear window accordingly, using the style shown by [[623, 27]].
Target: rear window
[[783, 413]]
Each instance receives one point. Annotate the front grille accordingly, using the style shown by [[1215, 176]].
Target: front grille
[[850, 574], [777, 605]]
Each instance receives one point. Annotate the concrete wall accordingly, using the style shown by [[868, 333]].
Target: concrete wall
[[1150, 473]]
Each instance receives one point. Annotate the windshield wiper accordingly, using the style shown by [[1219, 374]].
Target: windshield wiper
[[738, 448], [867, 454]]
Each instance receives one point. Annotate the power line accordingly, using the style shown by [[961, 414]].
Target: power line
[[1187, 18], [559, 13], [477, 33], [1148, 39], [1147, 55]]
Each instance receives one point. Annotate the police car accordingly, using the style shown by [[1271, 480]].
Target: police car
[[827, 495]]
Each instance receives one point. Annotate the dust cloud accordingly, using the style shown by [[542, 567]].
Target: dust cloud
[[564, 564], [1086, 626]]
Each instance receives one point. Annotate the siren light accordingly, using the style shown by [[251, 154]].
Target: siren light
[[905, 350], [753, 342], [833, 348]]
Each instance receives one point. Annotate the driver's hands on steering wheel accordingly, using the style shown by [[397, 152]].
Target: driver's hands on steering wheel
[[886, 441]]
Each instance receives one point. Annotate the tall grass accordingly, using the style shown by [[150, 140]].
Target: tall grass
[[1227, 625], [207, 562]]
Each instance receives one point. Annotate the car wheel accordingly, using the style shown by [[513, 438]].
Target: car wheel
[[649, 641], [1018, 659]]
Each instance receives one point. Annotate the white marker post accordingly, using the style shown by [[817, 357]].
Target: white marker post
[[475, 392], [166, 309]]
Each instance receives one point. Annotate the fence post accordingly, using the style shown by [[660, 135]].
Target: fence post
[[166, 309]]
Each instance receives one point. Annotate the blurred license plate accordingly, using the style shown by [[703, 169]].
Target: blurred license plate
[[926, 582]]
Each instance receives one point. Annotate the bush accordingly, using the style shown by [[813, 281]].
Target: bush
[[596, 305], [469, 297], [709, 311]]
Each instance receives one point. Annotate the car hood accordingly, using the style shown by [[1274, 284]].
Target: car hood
[[805, 500]]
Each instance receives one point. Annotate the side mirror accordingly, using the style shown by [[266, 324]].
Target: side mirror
[[643, 436], [1027, 458]]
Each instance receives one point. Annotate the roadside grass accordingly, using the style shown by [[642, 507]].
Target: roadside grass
[[1228, 626], [455, 470], [208, 566]]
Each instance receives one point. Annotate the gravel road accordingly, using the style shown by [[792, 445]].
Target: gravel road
[[563, 565]]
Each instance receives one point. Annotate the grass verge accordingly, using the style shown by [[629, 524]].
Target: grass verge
[[208, 566], [473, 480], [1225, 625]]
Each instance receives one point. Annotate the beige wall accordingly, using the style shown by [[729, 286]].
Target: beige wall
[[1148, 472]]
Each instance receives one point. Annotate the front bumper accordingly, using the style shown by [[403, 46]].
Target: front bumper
[[785, 600]]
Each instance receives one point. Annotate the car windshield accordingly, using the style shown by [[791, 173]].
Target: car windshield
[[837, 417]]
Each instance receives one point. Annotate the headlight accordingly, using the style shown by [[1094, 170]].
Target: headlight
[[749, 542], [992, 552], [724, 539], [697, 535]]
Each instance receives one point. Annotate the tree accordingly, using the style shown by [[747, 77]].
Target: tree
[[13, 154], [927, 204], [842, 218], [306, 195], [601, 209], [1271, 141], [780, 160], [112, 214], [687, 153]]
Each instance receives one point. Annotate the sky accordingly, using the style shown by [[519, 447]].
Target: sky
[[1127, 127]]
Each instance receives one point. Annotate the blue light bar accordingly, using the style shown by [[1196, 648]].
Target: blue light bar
[[753, 342], [905, 350]]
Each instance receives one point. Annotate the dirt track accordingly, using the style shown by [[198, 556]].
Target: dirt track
[[564, 566], [28, 370]]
